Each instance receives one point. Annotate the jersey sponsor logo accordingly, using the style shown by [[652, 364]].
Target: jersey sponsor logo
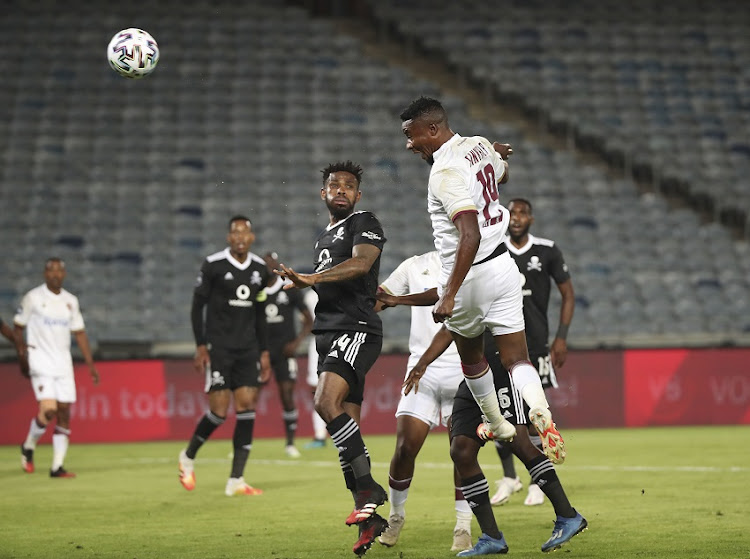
[[339, 236], [324, 260], [371, 235], [534, 264], [55, 321], [228, 276], [243, 294], [272, 314], [524, 292]]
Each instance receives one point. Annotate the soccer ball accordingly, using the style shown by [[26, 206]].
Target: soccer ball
[[133, 53]]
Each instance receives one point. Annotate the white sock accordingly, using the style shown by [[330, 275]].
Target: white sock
[[526, 381], [59, 447], [35, 433], [463, 515], [398, 497], [483, 390], [319, 427]]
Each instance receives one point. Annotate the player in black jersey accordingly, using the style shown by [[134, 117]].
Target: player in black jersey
[[282, 308], [539, 261], [349, 334], [232, 347]]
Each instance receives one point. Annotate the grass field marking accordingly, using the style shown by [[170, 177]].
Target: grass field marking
[[447, 465]]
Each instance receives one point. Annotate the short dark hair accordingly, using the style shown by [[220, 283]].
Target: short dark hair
[[52, 260], [238, 218], [346, 166], [425, 107], [522, 201]]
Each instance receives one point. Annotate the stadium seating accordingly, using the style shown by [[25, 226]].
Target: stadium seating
[[133, 182]]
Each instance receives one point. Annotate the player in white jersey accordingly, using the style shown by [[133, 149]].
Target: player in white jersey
[[480, 287], [414, 282], [49, 314]]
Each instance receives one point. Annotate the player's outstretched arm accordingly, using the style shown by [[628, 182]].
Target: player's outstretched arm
[[440, 342], [422, 299], [363, 257]]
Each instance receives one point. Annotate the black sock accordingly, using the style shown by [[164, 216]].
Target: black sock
[[290, 425], [476, 491], [506, 458], [544, 475], [346, 436], [242, 441], [207, 425]]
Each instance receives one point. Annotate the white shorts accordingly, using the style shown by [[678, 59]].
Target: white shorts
[[312, 363], [60, 388], [433, 404], [490, 297]]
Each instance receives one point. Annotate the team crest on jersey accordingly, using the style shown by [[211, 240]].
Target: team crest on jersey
[[339, 236], [534, 264], [255, 279]]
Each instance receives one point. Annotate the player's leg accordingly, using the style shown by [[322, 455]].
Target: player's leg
[[465, 447], [462, 529], [245, 401], [411, 433], [515, 358], [479, 381], [219, 398], [286, 377], [568, 522], [509, 483], [46, 412], [60, 441]]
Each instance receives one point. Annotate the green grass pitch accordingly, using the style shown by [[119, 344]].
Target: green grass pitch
[[681, 492]]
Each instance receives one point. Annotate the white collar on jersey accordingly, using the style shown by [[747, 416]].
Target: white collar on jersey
[[332, 225], [524, 248], [443, 149], [236, 263]]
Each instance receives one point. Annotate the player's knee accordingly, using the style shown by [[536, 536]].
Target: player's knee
[[49, 414], [461, 451], [406, 450]]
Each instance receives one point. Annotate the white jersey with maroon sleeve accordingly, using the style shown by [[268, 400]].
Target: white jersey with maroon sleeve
[[49, 319], [464, 178]]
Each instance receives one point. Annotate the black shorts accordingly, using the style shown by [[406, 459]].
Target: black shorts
[[350, 355], [284, 368], [467, 415], [232, 368]]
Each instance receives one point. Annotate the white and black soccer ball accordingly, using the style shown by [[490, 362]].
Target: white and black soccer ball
[[133, 53]]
